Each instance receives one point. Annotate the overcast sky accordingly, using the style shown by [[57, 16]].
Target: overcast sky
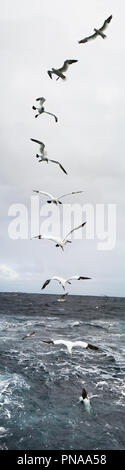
[[88, 139]]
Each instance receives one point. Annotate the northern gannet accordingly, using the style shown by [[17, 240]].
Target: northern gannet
[[63, 282], [43, 155], [84, 398], [58, 241], [72, 344], [41, 109], [64, 68], [29, 335], [97, 32], [53, 199]]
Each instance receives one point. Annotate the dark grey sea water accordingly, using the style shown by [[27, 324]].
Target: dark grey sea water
[[40, 384]]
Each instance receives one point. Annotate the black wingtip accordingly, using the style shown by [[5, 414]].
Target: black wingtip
[[90, 346], [50, 74], [109, 18]]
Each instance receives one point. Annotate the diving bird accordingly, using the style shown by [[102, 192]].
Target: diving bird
[[53, 199], [59, 243], [43, 155], [64, 68], [63, 282], [84, 398], [72, 344], [62, 298], [97, 32], [41, 108]]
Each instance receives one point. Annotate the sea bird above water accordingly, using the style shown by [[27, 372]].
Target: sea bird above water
[[64, 68], [53, 199], [29, 335], [63, 282], [41, 109], [72, 344], [59, 243], [97, 32], [43, 155]]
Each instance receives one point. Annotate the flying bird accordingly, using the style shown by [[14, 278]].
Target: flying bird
[[53, 199], [63, 282], [97, 32], [64, 68], [43, 155], [29, 335], [59, 243], [72, 344], [41, 109]]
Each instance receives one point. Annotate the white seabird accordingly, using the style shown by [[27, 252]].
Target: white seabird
[[64, 68], [41, 109], [53, 199], [59, 243], [97, 32], [43, 155], [63, 282], [72, 344]]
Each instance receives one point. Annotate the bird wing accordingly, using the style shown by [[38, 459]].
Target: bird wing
[[60, 341], [43, 192], [56, 278], [41, 99], [90, 346], [29, 334], [53, 239], [58, 163], [88, 38], [46, 283], [68, 194], [82, 344], [66, 64], [37, 236], [73, 278], [76, 228], [48, 342], [38, 142], [51, 114], [50, 73], [106, 22], [59, 73], [71, 61], [78, 278], [84, 278]]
